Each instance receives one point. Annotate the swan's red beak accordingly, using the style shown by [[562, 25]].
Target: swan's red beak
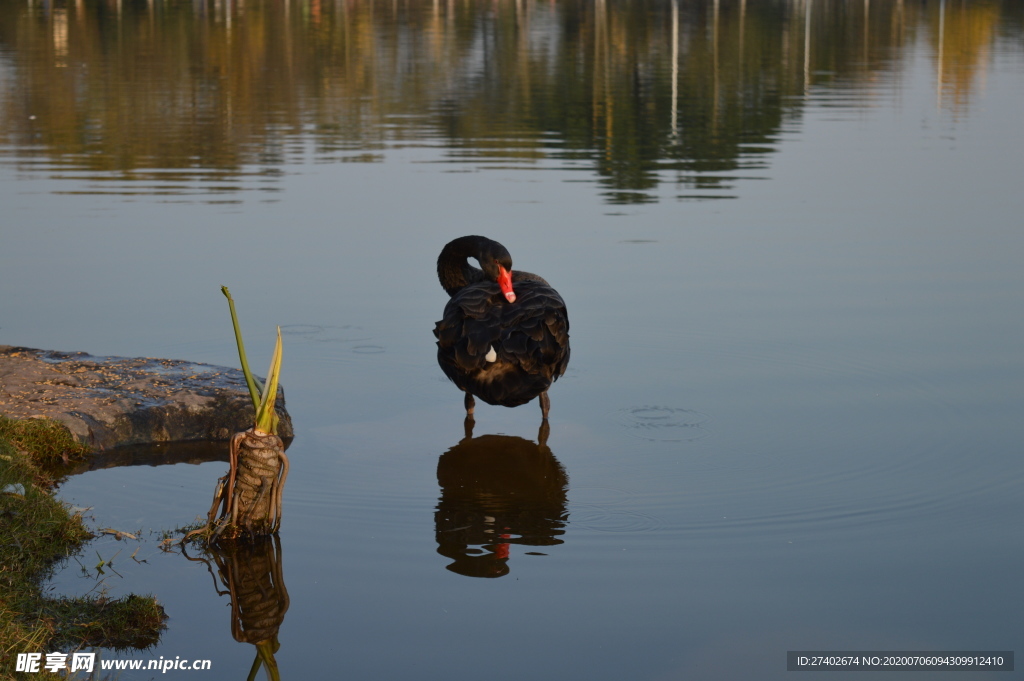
[[505, 283]]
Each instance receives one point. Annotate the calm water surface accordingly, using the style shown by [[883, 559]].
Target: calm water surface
[[789, 236]]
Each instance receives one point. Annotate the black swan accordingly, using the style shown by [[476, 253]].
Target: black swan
[[502, 344]]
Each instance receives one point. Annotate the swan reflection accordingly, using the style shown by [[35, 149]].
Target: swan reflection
[[497, 491]]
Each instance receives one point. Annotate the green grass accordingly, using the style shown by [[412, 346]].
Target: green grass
[[38, 532], [45, 444]]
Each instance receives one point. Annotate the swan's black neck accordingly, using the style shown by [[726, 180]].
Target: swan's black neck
[[454, 270]]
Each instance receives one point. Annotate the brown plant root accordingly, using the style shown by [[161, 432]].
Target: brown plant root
[[250, 495]]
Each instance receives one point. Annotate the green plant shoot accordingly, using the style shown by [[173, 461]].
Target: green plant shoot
[[266, 417], [263, 397]]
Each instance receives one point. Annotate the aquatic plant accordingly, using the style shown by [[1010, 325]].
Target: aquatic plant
[[250, 495]]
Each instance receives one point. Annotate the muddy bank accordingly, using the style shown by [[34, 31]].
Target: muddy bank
[[112, 401]]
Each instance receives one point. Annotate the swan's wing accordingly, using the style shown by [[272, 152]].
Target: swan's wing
[[504, 353], [470, 327], [535, 330]]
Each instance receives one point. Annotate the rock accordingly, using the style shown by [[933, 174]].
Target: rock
[[111, 401]]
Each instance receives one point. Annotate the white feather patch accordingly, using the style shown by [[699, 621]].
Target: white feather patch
[[491, 354]]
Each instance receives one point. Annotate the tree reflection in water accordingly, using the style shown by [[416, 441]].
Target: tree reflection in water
[[217, 97]]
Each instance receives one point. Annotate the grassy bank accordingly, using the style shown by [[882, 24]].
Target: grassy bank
[[36, 533]]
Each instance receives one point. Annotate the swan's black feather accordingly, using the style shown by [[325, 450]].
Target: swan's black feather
[[530, 338]]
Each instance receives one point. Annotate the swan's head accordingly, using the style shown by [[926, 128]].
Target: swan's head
[[497, 265], [505, 284]]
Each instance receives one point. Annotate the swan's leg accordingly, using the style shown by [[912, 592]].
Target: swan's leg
[[470, 404], [542, 434], [545, 404]]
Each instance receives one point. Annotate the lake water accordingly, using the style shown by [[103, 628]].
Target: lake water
[[789, 235]]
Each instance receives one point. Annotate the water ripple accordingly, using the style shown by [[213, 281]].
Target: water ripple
[[613, 520], [663, 424]]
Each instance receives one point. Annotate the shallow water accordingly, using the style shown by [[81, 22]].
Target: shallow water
[[789, 243]]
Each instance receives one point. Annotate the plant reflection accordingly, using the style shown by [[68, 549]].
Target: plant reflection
[[252, 576], [497, 491]]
